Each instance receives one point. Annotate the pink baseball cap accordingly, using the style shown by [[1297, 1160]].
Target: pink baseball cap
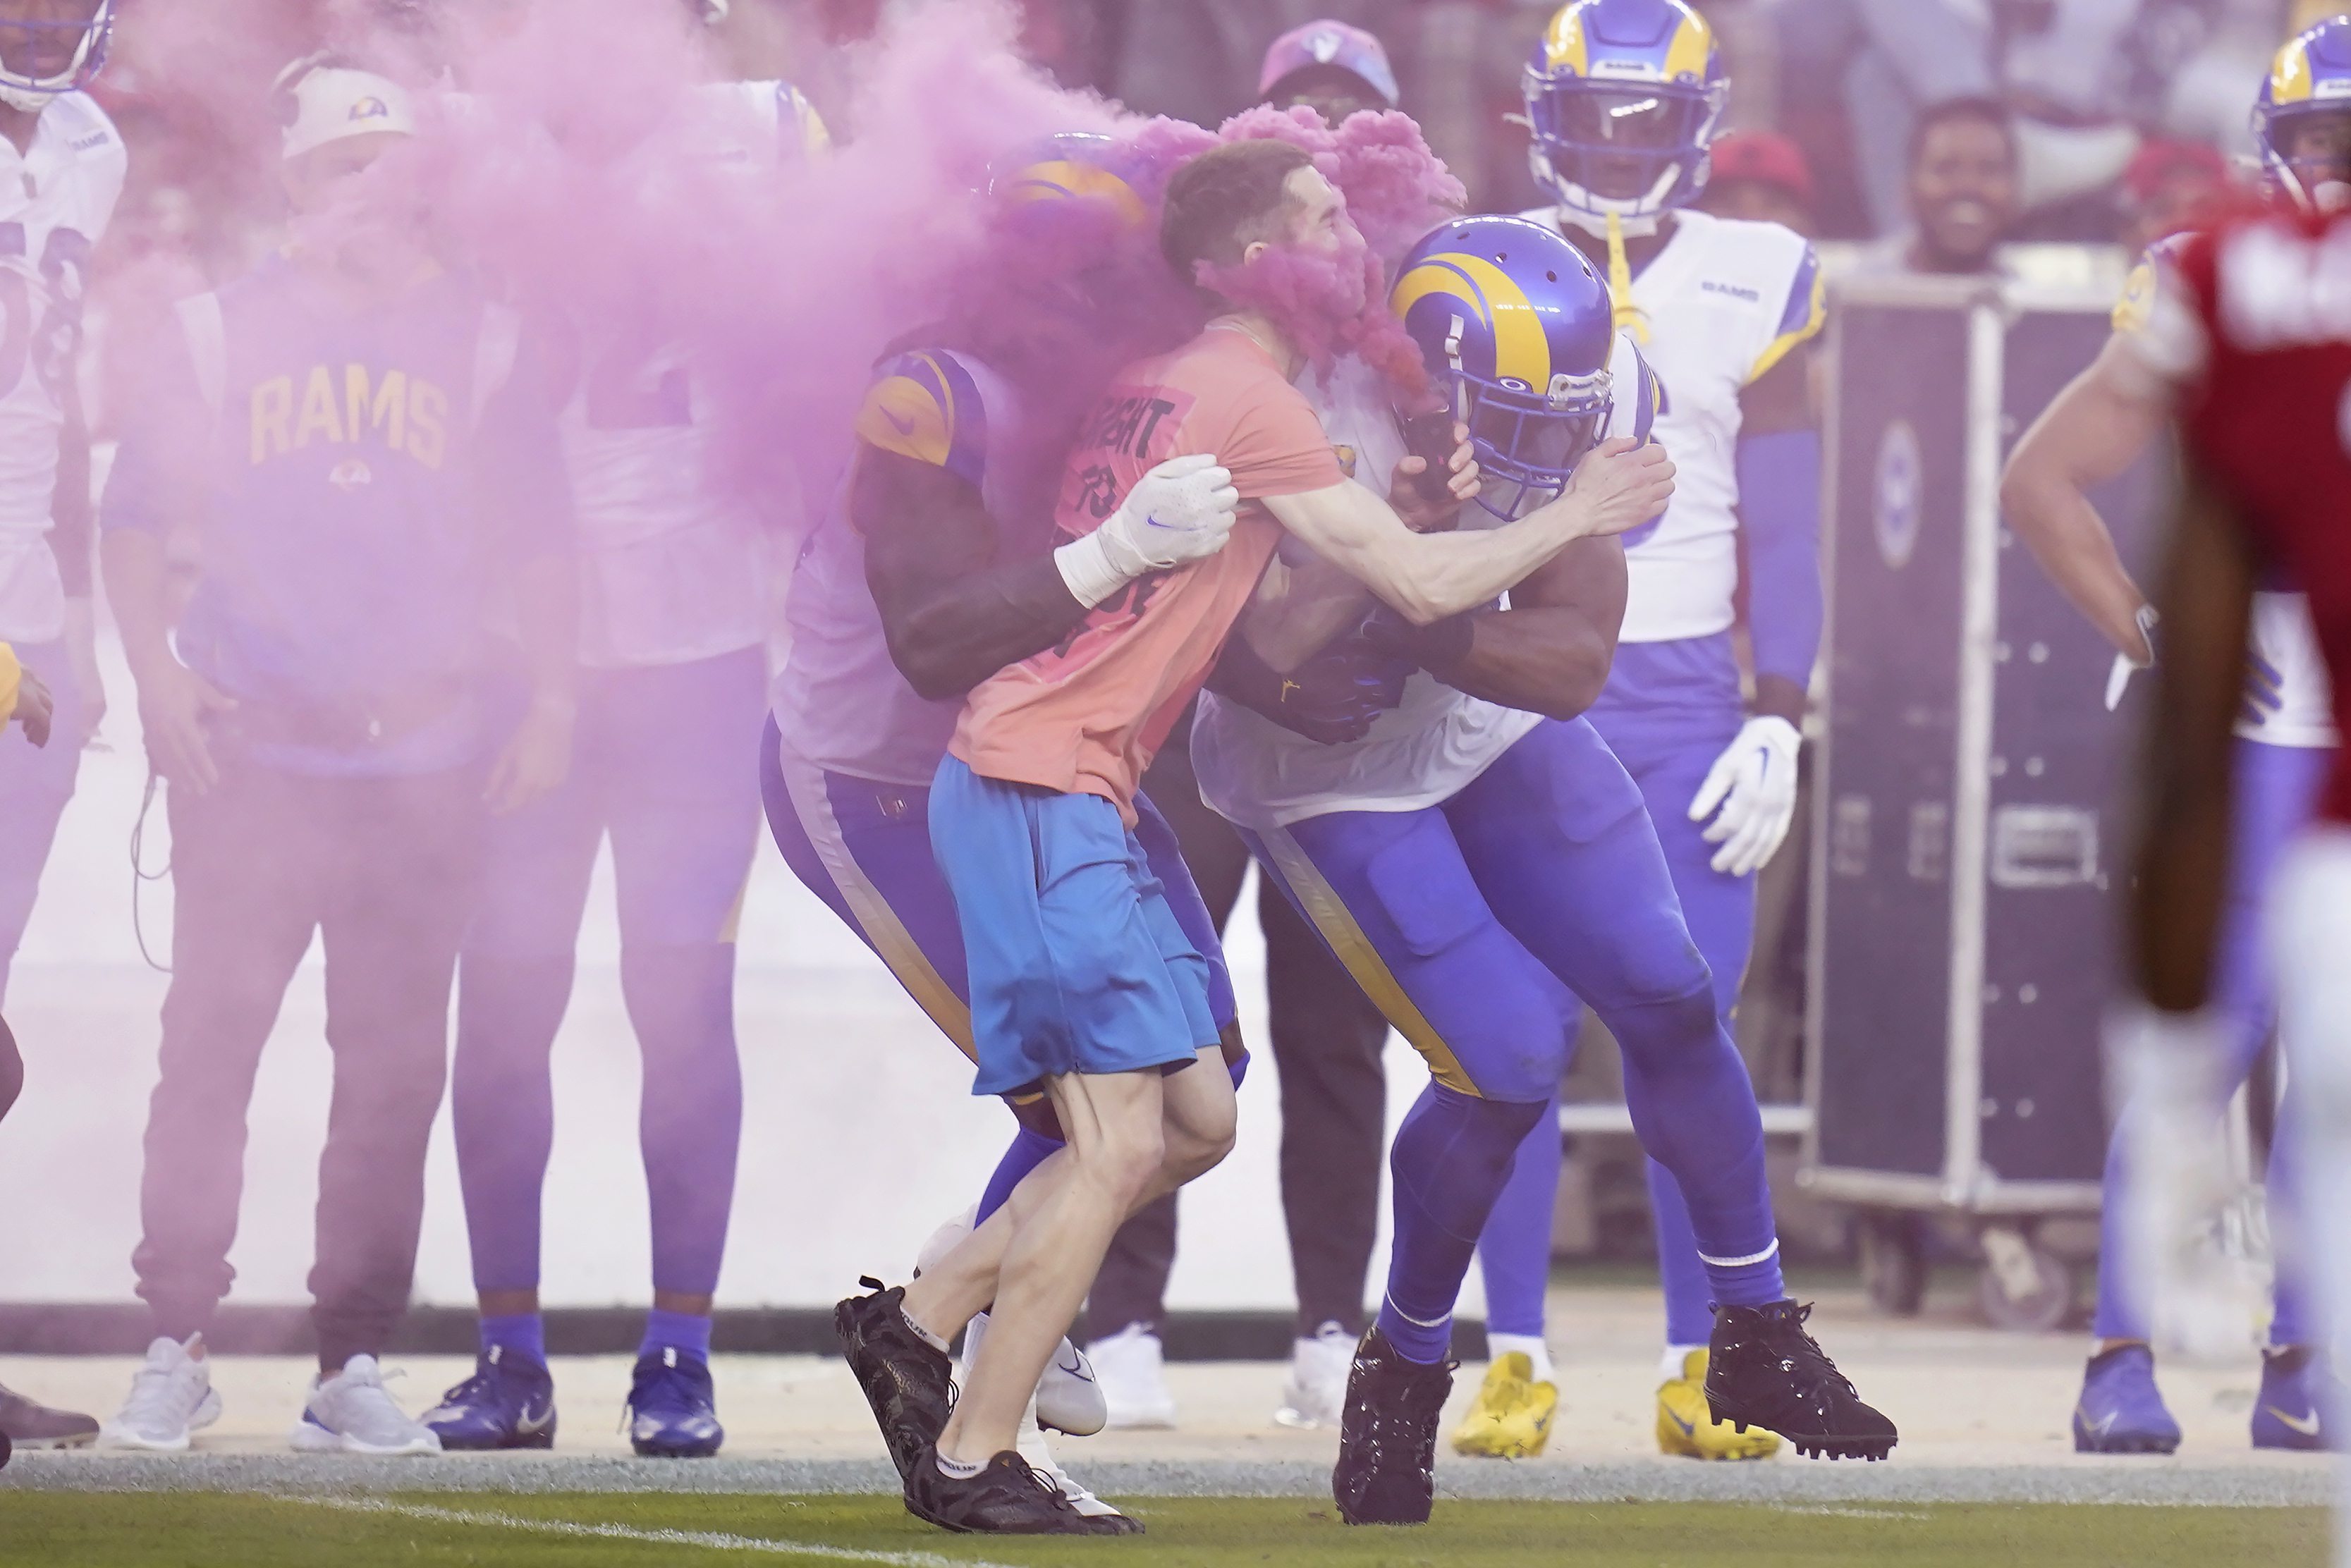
[[1334, 43]]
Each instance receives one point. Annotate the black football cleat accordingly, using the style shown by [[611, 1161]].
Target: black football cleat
[[1008, 1498], [907, 1380], [27, 1425], [1763, 1370], [1386, 1472]]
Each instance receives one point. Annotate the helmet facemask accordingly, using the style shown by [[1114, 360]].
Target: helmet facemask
[[27, 46], [1630, 149], [1529, 442]]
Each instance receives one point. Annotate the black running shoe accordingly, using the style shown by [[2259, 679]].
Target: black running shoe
[[1763, 1370], [29, 1425], [1008, 1498], [1387, 1437], [906, 1378]]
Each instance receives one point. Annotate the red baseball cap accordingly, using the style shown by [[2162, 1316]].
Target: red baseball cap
[[1766, 157], [2159, 161]]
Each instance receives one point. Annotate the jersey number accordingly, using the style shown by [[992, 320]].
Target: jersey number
[[48, 346]]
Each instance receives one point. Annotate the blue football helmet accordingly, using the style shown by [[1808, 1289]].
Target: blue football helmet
[[1516, 328], [1622, 97], [40, 61], [2311, 78]]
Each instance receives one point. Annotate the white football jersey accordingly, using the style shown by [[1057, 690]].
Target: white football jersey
[[1430, 747], [56, 201], [673, 568], [1722, 303]]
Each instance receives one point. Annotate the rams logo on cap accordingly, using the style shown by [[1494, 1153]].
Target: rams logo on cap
[[369, 108]]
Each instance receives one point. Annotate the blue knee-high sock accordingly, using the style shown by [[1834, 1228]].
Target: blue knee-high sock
[[1694, 1111], [685, 1333], [519, 1333], [1028, 1150], [1452, 1157], [1514, 1248], [502, 1107], [681, 1000], [2293, 1323], [1689, 1297]]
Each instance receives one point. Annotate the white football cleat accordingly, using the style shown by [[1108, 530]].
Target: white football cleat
[[1130, 1369], [171, 1397], [1316, 1394], [350, 1412], [1069, 1400]]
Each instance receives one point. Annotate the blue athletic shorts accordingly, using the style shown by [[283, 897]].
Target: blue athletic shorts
[[864, 848], [1076, 960]]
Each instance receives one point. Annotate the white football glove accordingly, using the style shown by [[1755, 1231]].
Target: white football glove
[[1180, 512], [1754, 785]]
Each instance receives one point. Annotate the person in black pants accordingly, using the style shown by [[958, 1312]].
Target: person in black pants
[[1327, 1044]]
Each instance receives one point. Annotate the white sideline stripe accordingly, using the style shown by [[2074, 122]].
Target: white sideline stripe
[[713, 1539]]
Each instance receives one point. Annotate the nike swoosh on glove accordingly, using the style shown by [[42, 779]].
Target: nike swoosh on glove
[[1180, 512], [1751, 793]]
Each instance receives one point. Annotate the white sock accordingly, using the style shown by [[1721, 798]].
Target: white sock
[[957, 1470], [1677, 1357], [925, 1335], [1530, 1345]]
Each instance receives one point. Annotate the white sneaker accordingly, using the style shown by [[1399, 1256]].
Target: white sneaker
[[350, 1413], [1316, 1394], [1069, 1398], [1130, 1369], [1039, 1456], [171, 1397]]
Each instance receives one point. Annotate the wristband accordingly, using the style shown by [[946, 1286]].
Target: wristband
[[1086, 570]]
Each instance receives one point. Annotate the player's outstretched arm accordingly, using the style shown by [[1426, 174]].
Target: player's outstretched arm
[[954, 614], [2097, 427], [1426, 577], [2183, 867]]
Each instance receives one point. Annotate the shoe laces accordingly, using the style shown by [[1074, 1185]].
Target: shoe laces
[[164, 1393], [1785, 1331], [481, 1387]]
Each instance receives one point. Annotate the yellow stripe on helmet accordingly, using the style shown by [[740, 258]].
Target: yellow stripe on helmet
[[2289, 77], [1521, 347], [1564, 48], [1693, 42], [1062, 179]]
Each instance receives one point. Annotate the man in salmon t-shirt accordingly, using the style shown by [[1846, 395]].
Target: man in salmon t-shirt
[[1081, 980]]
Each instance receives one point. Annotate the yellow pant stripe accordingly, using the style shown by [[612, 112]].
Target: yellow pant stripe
[[1337, 923], [804, 781]]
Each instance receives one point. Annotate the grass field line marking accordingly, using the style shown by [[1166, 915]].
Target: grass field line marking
[[1831, 1510], [715, 1541]]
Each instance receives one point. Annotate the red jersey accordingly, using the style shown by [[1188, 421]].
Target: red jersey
[[2258, 337]]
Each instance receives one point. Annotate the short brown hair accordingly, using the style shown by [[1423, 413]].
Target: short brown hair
[[1225, 200]]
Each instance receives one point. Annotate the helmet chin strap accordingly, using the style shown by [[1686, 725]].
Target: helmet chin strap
[[1601, 225], [28, 100]]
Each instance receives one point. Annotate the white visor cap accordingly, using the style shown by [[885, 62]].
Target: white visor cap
[[334, 103]]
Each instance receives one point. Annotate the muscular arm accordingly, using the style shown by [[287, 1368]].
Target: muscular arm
[[1550, 651], [2181, 874], [2093, 430], [953, 614], [1426, 577]]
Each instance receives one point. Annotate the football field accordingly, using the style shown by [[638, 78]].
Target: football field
[[593, 1531]]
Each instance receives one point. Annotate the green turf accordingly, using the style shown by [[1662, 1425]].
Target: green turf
[[184, 1531]]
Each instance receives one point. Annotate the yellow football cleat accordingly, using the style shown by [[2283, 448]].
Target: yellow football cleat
[[1513, 1418], [1688, 1429]]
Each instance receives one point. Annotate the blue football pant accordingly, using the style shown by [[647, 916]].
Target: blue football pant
[[1472, 922], [2277, 790], [1669, 711], [35, 785], [665, 763]]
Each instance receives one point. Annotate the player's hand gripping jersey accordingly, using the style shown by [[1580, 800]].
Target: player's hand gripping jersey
[[52, 214], [1087, 716], [2258, 337], [1721, 304], [2287, 698]]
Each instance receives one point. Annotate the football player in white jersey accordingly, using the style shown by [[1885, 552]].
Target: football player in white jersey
[[62, 165], [675, 624], [1624, 96], [2097, 427]]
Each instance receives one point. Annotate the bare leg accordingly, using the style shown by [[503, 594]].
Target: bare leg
[[1116, 1148], [1200, 1118]]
